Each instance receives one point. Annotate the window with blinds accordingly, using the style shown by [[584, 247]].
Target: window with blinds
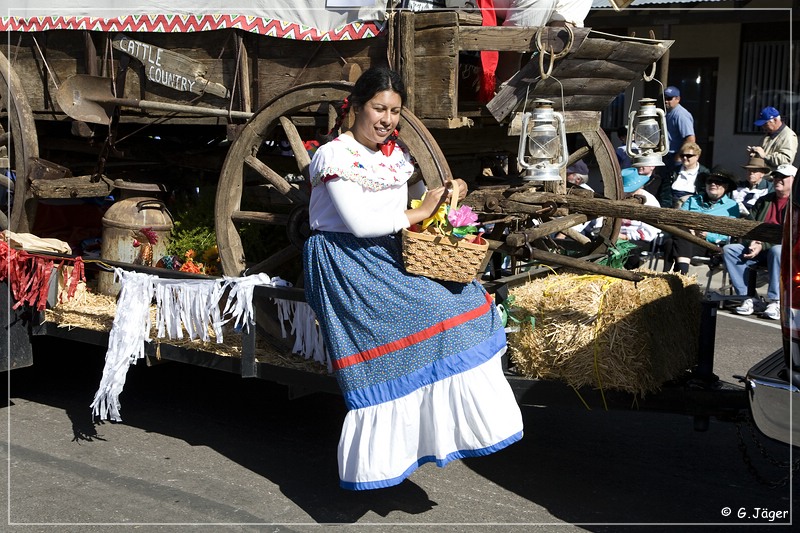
[[769, 75]]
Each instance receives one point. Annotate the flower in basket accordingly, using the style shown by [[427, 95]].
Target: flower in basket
[[461, 222], [437, 221]]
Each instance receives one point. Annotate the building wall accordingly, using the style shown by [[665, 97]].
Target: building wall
[[721, 41]]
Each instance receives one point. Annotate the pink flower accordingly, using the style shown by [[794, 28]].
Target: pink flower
[[463, 216]]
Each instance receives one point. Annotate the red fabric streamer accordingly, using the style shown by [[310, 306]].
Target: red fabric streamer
[[489, 58], [28, 275]]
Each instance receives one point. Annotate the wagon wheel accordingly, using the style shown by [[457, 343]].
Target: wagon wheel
[[249, 166], [18, 143], [608, 163]]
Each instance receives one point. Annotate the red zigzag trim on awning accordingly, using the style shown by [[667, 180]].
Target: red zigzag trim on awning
[[194, 23]]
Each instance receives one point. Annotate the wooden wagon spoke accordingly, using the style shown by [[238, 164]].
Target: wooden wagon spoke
[[333, 114], [521, 238], [276, 180], [299, 150], [259, 217]]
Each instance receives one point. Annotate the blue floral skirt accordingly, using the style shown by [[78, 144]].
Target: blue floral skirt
[[418, 361]]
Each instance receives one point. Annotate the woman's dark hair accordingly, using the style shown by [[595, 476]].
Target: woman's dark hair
[[375, 80], [370, 83]]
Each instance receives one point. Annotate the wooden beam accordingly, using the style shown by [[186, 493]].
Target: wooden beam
[[406, 55], [528, 201], [558, 259]]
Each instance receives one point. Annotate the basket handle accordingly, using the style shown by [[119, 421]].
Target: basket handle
[[453, 186]]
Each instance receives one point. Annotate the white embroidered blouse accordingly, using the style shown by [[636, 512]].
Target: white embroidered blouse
[[360, 191]]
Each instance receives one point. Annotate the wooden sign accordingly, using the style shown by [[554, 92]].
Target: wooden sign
[[169, 68]]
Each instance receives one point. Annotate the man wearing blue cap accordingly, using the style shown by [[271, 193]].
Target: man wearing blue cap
[[680, 127], [779, 146]]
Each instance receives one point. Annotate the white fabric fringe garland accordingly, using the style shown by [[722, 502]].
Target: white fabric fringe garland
[[308, 340], [125, 341], [193, 305]]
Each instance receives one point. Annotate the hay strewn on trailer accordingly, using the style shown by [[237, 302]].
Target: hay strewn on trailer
[[97, 311], [607, 333]]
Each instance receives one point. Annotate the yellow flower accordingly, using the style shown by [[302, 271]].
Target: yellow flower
[[439, 218]]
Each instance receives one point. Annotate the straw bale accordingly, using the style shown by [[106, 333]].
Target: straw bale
[[607, 333]]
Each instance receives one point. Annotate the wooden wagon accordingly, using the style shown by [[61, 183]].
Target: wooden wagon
[[229, 102], [103, 103]]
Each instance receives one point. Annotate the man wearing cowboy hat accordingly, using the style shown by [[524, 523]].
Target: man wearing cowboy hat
[[739, 257], [714, 200], [779, 145], [754, 187]]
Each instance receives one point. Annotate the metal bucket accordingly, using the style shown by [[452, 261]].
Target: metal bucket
[[122, 222]]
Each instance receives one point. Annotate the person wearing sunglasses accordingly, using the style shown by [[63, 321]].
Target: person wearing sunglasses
[[682, 183], [714, 200], [680, 127], [739, 257], [779, 145]]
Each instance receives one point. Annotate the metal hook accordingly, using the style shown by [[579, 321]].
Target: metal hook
[[652, 75], [544, 74], [553, 56], [527, 254]]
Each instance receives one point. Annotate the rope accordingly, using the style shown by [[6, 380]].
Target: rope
[[579, 283]]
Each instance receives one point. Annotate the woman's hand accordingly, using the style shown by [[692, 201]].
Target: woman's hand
[[462, 188], [430, 203]]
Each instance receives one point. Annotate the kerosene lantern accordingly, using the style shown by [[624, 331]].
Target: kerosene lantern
[[542, 143], [649, 127]]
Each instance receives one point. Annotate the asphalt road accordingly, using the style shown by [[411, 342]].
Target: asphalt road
[[208, 451]]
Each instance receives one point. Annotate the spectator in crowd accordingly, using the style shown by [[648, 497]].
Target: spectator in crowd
[[621, 150], [739, 257], [779, 145], [578, 176], [754, 187], [682, 183], [636, 232], [714, 200], [680, 127], [653, 184]]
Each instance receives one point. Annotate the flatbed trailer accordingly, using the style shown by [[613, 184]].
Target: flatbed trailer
[[200, 101]]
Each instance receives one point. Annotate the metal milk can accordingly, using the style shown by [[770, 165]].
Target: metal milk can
[[136, 230]]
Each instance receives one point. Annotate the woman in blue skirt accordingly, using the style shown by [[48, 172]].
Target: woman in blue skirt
[[418, 361]]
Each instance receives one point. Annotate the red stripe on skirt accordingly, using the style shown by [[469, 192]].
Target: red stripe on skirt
[[414, 338]]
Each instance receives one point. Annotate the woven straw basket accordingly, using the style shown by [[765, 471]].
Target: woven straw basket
[[443, 257]]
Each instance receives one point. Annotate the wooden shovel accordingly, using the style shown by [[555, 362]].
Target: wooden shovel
[[90, 99]]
